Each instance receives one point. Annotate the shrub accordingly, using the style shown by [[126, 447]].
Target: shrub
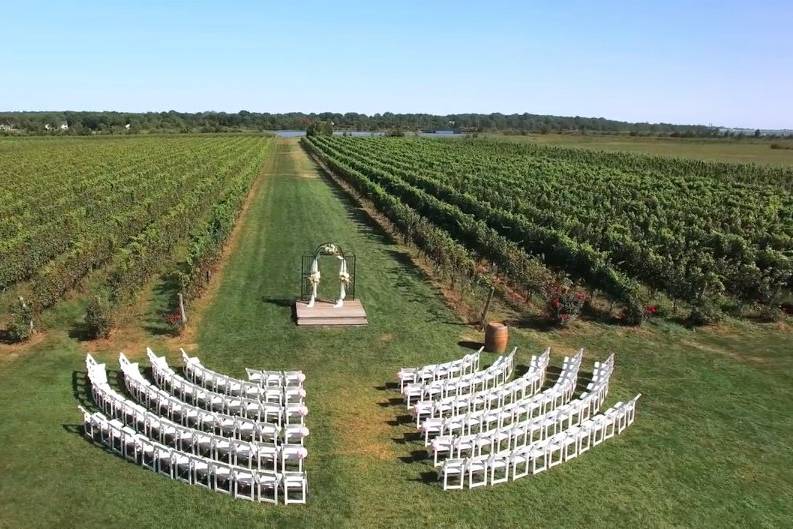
[[563, 301], [174, 321], [99, 317], [704, 313], [771, 313], [21, 327], [320, 128]]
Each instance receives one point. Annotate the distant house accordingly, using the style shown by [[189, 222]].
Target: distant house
[[64, 126], [4, 127], [127, 126], [47, 126]]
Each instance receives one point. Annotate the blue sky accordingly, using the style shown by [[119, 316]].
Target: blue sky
[[725, 63]]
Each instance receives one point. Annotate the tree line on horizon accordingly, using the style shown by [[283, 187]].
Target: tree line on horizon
[[79, 123]]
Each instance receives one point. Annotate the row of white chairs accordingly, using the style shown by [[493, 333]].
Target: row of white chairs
[[252, 454], [239, 482], [521, 410], [524, 386], [516, 435], [270, 379], [229, 406], [287, 383], [539, 456], [264, 433], [456, 368], [163, 403], [495, 375], [273, 410]]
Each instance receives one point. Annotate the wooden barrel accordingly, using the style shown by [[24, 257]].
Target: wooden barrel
[[496, 337]]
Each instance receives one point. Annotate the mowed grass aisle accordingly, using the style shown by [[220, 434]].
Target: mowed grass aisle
[[710, 447], [351, 451]]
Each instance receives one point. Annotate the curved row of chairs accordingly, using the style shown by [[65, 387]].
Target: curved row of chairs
[[232, 455], [539, 456], [267, 384], [226, 478], [525, 386], [495, 375], [277, 407], [251, 454], [494, 434], [269, 379], [163, 403], [519, 434], [456, 368], [521, 410]]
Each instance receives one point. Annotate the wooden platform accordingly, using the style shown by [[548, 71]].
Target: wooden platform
[[323, 313]]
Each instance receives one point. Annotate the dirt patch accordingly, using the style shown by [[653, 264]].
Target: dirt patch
[[12, 351]]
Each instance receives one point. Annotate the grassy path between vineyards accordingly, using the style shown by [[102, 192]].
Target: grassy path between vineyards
[[709, 448]]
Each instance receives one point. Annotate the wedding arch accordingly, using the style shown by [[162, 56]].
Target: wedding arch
[[311, 275]]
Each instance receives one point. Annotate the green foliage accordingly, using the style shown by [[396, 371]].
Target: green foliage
[[99, 316], [320, 128], [705, 312], [20, 328], [116, 122], [696, 231], [702, 393], [563, 301], [74, 205]]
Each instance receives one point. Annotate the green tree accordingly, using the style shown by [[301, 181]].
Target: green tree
[[320, 128]]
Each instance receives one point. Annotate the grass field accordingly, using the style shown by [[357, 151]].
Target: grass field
[[710, 446], [723, 150]]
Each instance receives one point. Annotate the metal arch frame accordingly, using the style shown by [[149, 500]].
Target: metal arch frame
[[305, 265]]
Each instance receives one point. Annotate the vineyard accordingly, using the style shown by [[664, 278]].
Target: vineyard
[[119, 206], [640, 230]]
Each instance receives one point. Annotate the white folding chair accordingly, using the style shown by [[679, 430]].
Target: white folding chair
[[476, 468], [294, 482], [498, 465], [453, 468], [267, 484]]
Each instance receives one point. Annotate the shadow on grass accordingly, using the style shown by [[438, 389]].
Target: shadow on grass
[[387, 386], [81, 332], [6, 338], [156, 322], [81, 389], [280, 302], [428, 477], [470, 344], [535, 322], [415, 456], [284, 303], [408, 437]]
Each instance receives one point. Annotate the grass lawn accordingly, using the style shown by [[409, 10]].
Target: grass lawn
[[710, 446], [712, 149]]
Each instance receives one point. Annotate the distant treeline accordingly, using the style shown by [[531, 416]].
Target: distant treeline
[[125, 122]]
